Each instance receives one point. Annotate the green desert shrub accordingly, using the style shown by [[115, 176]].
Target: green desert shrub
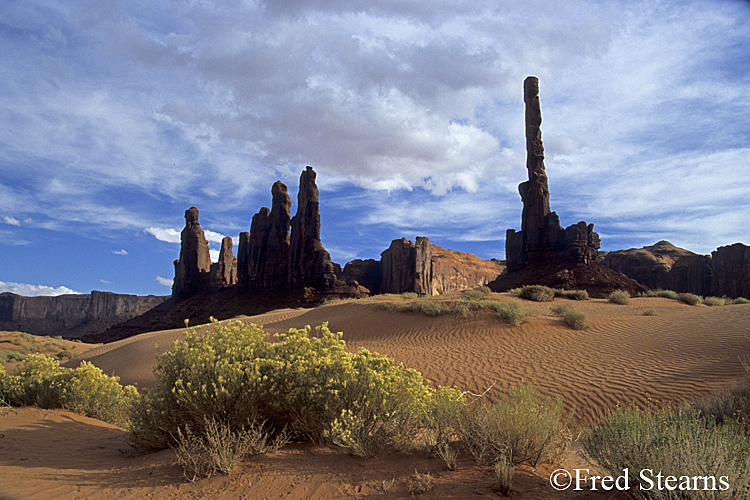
[[10, 356], [524, 424], [410, 295], [309, 384], [684, 444], [649, 312], [537, 293], [729, 404], [573, 294], [667, 294], [513, 312], [619, 297], [40, 380], [477, 293], [714, 301], [441, 415], [575, 318], [689, 298], [741, 300]]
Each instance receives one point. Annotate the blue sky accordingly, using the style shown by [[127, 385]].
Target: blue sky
[[117, 116]]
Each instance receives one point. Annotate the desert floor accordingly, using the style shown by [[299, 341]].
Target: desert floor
[[680, 354]]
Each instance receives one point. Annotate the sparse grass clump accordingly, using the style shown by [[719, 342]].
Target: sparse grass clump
[[715, 301], [674, 443], [575, 318], [220, 448], [504, 470], [524, 424], [537, 293], [420, 483], [729, 404], [689, 298], [410, 295], [667, 294], [619, 297], [41, 381], [649, 312]]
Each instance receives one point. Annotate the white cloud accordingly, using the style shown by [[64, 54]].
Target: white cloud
[[213, 236], [12, 221], [214, 254], [28, 290], [164, 281], [164, 234], [120, 252], [106, 282]]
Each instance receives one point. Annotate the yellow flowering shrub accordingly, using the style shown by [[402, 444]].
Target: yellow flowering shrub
[[302, 381], [41, 381]]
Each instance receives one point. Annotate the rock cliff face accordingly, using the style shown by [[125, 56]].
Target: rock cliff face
[[664, 266], [428, 269], [71, 315], [543, 252], [731, 271]]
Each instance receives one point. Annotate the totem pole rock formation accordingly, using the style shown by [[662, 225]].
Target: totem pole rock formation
[[543, 252], [541, 238]]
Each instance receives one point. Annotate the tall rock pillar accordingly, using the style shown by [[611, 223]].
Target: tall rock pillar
[[309, 263], [194, 265]]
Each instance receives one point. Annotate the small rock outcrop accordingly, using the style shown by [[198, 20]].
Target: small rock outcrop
[[543, 252], [74, 315], [406, 267], [427, 269], [731, 271], [366, 273], [664, 266]]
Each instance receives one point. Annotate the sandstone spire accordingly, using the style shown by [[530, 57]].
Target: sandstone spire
[[309, 263], [193, 267]]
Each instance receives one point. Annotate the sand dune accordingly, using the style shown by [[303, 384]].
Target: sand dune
[[679, 354]]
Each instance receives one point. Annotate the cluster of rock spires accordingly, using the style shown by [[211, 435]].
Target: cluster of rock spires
[[543, 252], [285, 254]]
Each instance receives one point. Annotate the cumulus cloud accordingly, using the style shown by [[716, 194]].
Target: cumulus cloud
[[164, 234], [29, 290], [416, 99], [164, 281], [12, 221]]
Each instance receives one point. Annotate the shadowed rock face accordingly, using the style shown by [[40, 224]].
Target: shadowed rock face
[[664, 266], [224, 272], [731, 271]]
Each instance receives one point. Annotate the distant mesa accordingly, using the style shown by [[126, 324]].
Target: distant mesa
[[72, 315], [543, 252], [726, 272]]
